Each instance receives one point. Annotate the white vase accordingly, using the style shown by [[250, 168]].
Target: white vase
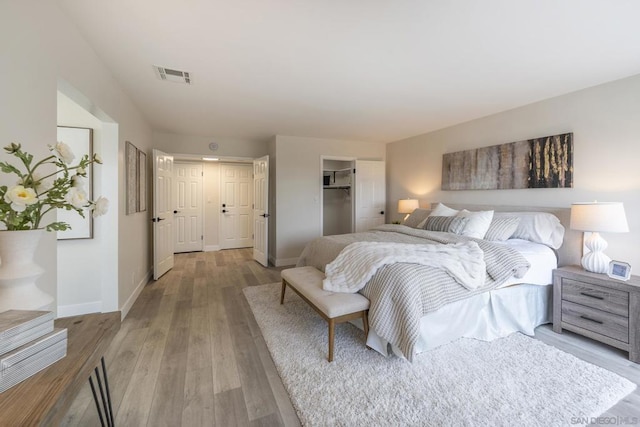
[[18, 272]]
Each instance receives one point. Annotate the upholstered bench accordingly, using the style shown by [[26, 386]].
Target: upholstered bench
[[334, 307]]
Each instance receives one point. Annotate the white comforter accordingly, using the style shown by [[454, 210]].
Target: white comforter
[[359, 261]]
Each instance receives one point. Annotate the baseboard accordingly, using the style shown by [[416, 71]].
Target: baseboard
[[124, 310], [211, 248], [284, 262], [78, 309]]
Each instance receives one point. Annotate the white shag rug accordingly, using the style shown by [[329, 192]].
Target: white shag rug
[[516, 380]]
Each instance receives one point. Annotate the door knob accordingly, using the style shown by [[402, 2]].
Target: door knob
[[381, 212], [224, 210], [266, 215], [175, 212]]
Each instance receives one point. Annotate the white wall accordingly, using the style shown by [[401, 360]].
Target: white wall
[[195, 144], [41, 46], [80, 258], [298, 180], [605, 121]]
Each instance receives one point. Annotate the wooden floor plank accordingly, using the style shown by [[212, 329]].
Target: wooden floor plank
[[166, 409], [198, 408], [137, 399], [230, 409], [225, 370], [255, 385]]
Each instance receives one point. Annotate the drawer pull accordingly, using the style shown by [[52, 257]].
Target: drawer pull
[[591, 320], [591, 296]]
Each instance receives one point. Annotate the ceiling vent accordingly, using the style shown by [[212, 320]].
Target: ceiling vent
[[170, 75]]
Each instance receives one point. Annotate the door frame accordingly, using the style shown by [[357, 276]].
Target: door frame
[[324, 157]]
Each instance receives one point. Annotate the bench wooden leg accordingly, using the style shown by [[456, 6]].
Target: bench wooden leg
[[284, 287], [332, 326]]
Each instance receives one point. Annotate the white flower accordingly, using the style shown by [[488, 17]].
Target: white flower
[[100, 207], [77, 181], [63, 152], [20, 197], [76, 197], [97, 158]]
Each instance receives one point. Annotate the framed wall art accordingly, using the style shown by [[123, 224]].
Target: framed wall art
[[545, 162], [142, 181], [131, 156], [80, 140]]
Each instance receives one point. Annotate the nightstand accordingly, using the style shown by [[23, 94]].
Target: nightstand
[[598, 307]]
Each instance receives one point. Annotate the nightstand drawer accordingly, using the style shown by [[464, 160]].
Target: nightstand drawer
[[599, 297], [607, 324]]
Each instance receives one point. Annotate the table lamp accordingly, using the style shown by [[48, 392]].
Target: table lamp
[[406, 206], [596, 218]]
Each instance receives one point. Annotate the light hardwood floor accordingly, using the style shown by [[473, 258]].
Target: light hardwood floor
[[190, 353]]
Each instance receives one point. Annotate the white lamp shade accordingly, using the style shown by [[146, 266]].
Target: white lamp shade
[[599, 217], [406, 206]]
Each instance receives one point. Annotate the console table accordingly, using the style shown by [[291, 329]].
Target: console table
[[44, 398]]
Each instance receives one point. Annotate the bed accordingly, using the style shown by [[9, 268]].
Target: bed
[[518, 301]]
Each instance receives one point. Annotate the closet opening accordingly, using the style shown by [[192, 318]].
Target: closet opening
[[337, 195]]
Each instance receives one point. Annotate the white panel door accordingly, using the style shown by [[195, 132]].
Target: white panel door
[[162, 213], [261, 210], [188, 208], [236, 198], [370, 194]]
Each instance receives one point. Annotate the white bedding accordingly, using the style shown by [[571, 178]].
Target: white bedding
[[542, 259], [519, 305]]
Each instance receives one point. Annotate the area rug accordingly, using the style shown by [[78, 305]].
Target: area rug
[[516, 380]]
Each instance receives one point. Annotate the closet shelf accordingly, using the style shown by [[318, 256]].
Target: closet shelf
[[336, 187]]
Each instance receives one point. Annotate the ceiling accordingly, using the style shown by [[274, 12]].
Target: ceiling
[[369, 70]]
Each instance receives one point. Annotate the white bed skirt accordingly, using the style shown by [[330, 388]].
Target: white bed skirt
[[487, 316]]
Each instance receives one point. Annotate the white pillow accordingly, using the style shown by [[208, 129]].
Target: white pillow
[[478, 223], [442, 210], [537, 227]]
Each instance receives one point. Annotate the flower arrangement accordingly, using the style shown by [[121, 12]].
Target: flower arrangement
[[23, 205]]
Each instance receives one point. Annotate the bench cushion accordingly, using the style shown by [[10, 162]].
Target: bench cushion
[[308, 281]]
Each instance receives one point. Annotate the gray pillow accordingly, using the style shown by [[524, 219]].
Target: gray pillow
[[417, 217], [449, 224], [502, 228]]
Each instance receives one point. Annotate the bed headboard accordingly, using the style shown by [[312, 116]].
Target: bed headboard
[[569, 253]]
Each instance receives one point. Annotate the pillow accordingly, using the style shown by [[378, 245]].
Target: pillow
[[501, 228], [449, 224], [442, 210], [537, 227], [416, 217], [478, 223]]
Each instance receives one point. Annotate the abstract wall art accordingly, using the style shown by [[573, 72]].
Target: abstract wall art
[[545, 162]]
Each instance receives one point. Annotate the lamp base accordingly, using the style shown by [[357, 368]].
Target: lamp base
[[596, 261]]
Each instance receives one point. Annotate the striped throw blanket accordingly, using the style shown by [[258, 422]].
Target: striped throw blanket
[[401, 293], [359, 261]]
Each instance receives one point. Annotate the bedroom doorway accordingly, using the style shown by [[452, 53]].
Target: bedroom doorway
[[337, 206], [352, 196]]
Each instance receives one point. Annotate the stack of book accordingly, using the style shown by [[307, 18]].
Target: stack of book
[[28, 344]]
